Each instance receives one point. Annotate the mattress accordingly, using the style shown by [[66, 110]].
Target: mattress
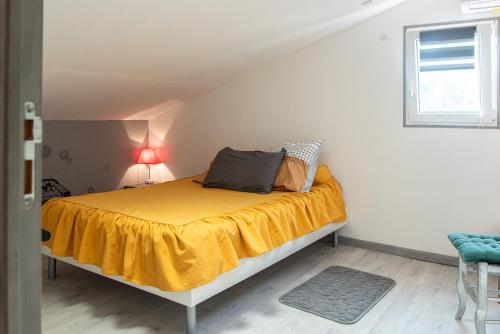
[[177, 235]]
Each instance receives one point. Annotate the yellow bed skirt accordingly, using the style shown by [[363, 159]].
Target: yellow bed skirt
[[178, 235]]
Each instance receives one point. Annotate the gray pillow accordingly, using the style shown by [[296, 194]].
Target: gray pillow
[[249, 171]]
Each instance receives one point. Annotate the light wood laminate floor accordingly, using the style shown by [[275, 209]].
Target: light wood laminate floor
[[423, 301]]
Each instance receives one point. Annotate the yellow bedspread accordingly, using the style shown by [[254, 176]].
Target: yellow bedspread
[[178, 235]]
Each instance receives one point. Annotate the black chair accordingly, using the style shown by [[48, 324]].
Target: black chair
[[51, 188]]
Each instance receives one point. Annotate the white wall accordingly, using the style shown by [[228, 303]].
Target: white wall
[[404, 186]]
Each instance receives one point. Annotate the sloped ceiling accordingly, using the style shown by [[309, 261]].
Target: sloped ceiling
[[113, 59]]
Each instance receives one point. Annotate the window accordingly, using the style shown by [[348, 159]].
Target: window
[[452, 75]]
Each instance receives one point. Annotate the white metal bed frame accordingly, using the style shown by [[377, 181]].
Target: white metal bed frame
[[190, 298]]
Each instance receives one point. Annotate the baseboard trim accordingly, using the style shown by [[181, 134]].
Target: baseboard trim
[[400, 251]]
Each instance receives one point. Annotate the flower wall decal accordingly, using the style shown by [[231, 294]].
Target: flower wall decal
[[46, 151]]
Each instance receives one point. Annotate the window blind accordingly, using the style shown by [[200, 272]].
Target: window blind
[[447, 49]]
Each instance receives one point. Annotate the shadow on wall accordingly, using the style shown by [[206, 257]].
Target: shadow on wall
[[159, 128], [94, 156], [138, 135], [185, 144]]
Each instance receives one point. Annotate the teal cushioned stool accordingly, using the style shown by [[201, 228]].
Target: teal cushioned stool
[[479, 253]]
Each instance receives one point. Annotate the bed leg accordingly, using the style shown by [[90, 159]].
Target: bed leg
[[51, 268], [190, 319], [335, 239]]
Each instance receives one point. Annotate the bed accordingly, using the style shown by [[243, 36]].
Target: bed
[[184, 242]]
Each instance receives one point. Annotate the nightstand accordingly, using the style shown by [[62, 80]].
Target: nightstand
[[140, 185]]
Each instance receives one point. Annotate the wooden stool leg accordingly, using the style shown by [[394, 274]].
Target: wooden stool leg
[[482, 297], [462, 295]]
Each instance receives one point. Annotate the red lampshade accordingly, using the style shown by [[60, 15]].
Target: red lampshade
[[148, 157]]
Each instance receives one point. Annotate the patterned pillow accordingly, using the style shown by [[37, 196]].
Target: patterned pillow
[[299, 167]]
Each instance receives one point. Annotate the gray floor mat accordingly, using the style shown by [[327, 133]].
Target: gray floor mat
[[340, 294]]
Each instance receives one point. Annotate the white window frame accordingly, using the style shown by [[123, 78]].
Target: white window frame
[[487, 31]]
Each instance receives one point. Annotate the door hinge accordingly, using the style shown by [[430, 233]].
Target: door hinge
[[32, 138]]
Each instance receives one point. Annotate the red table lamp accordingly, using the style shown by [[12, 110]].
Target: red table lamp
[[148, 157]]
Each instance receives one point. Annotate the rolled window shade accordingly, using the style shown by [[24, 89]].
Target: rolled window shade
[[450, 35], [447, 49]]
